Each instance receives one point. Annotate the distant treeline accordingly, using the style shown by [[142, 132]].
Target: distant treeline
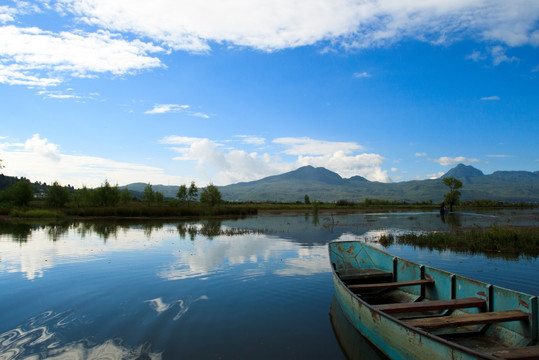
[[21, 198]]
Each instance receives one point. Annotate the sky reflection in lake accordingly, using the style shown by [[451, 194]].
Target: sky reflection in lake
[[162, 290], [257, 287]]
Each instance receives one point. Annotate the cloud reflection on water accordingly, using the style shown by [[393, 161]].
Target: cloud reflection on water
[[39, 339], [41, 252], [160, 306], [211, 256], [195, 256]]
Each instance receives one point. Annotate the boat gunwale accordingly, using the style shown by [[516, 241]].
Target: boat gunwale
[[402, 323]]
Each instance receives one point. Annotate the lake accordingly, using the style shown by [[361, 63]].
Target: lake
[[252, 288]]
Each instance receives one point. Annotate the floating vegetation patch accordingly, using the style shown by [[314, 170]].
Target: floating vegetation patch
[[211, 229]]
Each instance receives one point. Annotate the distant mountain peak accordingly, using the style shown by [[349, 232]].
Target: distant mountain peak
[[463, 171], [311, 173]]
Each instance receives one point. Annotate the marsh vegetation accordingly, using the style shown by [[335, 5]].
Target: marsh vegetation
[[493, 241]]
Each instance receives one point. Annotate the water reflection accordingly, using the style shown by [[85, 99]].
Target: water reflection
[[454, 220], [39, 338], [207, 256], [184, 305], [354, 346], [213, 247], [19, 232], [269, 236], [308, 228], [195, 289]]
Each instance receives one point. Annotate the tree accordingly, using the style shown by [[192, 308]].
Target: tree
[[158, 197], [307, 200], [148, 194], [452, 197], [83, 197], [182, 193], [57, 195], [125, 196], [192, 194], [210, 195], [21, 193], [107, 195]]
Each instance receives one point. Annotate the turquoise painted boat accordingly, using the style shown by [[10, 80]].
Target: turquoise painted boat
[[413, 311]]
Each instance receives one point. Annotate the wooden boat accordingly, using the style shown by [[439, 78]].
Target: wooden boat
[[352, 343], [413, 311]]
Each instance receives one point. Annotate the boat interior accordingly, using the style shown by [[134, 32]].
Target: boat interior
[[477, 315]]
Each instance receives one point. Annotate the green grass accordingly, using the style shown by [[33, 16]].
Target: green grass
[[494, 241]]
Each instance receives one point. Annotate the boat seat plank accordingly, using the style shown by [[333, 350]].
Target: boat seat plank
[[433, 305], [469, 319], [367, 274], [528, 352], [389, 285]]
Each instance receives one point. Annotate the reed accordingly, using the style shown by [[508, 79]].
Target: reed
[[493, 241]]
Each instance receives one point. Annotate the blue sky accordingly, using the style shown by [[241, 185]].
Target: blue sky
[[170, 92]]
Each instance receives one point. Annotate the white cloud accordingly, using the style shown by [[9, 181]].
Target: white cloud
[[7, 14], [394, 169], [48, 94], [34, 57], [39, 159], [499, 156], [178, 140], [435, 175], [42, 147], [255, 140], [279, 24], [498, 56], [449, 161], [418, 154], [363, 74], [173, 108], [490, 98], [31, 56], [307, 146], [200, 115], [166, 108], [476, 56], [366, 165], [235, 165], [22, 75], [224, 167]]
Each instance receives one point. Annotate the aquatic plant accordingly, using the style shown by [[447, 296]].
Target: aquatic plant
[[503, 241]]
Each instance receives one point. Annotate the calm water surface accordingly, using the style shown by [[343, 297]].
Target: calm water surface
[[234, 289]]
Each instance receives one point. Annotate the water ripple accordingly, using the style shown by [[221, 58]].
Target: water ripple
[[160, 306], [37, 340]]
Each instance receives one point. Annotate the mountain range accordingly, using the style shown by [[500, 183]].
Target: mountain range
[[324, 185]]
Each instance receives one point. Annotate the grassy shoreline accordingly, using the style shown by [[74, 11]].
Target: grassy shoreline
[[196, 210]]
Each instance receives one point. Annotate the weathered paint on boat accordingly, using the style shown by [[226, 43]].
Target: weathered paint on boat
[[352, 343], [398, 339]]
